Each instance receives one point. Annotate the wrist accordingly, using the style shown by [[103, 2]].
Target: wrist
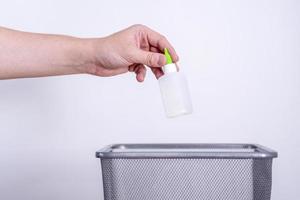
[[85, 53]]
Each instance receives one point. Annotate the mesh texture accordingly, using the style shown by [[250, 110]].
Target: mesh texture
[[186, 179]]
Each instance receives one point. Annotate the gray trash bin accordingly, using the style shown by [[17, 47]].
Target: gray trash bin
[[186, 171]]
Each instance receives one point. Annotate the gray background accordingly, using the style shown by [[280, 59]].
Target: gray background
[[243, 66]]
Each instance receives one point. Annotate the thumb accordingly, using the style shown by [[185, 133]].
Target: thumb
[[150, 59]]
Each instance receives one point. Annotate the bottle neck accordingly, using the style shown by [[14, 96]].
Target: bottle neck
[[169, 68]]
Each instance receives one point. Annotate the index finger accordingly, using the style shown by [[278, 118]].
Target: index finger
[[159, 41]]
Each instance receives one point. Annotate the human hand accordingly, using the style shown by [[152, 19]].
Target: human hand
[[129, 50]]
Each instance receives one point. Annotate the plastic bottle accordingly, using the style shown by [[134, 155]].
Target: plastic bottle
[[174, 90]]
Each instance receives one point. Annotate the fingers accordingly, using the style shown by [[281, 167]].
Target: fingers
[[150, 59], [155, 50], [131, 68], [157, 72], [139, 70], [140, 73], [159, 41]]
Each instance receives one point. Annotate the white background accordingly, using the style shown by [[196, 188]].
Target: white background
[[242, 62]]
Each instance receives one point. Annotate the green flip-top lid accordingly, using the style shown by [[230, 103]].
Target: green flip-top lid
[[168, 56]]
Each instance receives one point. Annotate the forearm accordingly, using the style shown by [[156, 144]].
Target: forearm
[[30, 55]]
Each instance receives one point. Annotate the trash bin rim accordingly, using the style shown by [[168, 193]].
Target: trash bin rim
[[187, 150]]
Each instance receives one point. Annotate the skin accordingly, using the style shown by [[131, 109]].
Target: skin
[[25, 54]]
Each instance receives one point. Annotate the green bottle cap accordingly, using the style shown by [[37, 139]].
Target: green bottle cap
[[168, 56]]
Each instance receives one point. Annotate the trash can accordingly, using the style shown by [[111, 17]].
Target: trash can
[[186, 171]]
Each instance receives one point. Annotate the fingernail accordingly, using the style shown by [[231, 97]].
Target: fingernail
[[161, 61], [140, 78]]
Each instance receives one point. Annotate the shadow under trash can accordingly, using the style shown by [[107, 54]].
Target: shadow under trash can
[[186, 171]]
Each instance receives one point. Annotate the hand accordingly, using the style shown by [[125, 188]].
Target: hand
[[24, 54], [130, 50]]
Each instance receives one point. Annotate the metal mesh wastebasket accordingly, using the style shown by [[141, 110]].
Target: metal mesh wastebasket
[[186, 171]]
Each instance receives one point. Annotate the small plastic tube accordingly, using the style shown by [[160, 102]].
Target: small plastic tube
[[174, 90]]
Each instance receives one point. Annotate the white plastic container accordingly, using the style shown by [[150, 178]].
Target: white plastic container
[[174, 91]]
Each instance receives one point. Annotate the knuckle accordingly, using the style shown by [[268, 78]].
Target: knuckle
[[162, 39], [138, 26], [150, 59]]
